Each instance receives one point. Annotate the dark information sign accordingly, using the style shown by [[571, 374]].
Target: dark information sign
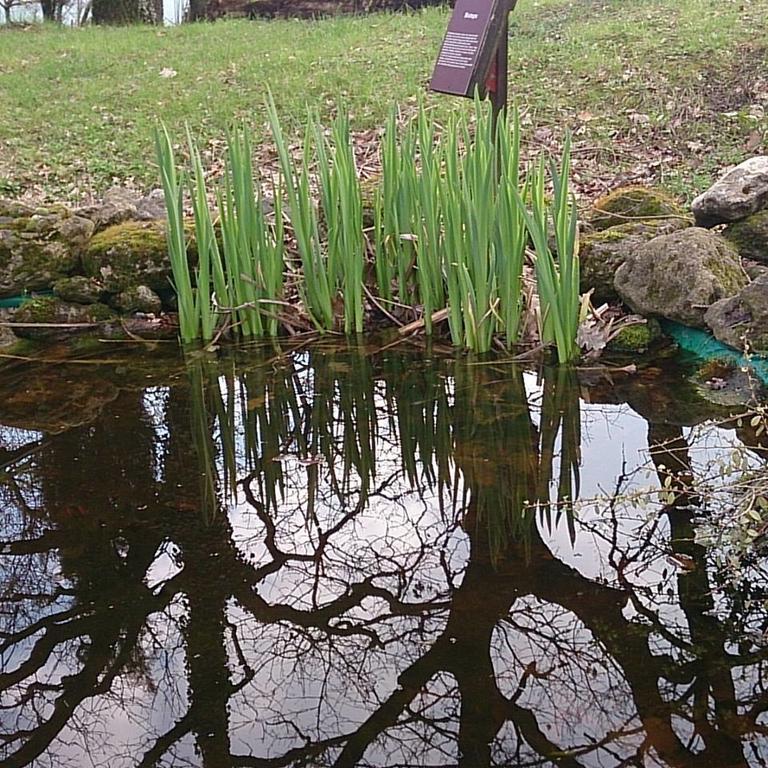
[[474, 33]]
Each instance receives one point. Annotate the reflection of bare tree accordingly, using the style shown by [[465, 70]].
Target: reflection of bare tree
[[347, 560]]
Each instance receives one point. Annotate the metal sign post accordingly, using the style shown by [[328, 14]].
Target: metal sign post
[[473, 56]]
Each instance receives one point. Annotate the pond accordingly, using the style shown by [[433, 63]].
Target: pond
[[365, 556]]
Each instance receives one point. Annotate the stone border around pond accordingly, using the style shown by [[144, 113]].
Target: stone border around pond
[[106, 266]]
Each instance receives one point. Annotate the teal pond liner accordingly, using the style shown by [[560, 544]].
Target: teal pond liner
[[704, 346], [13, 302]]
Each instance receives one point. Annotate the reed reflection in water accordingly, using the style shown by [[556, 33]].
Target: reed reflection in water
[[348, 558]]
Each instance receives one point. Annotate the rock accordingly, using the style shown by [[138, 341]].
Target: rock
[[7, 337], [79, 289], [754, 270], [750, 236], [53, 400], [120, 205], [727, 383], [679, 276], [29, 264], [43, 313], [129, 254], [602, 253], [38, 246], [742, 191], [138, 298], [632, 204], [151, 207], [14, 209], [76, 232], [742, 319]]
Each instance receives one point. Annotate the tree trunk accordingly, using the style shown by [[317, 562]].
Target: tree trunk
[[127, 11], [198, 10], [50, 8], [115, 11]]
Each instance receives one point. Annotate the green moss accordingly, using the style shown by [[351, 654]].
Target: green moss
[[728, 272], [100, 312], [39, 310], [633, 204], [17, 224], [139, 239], [750, 236], [50, 309], [14, 209], [636, 338], [611, 235], [132, 253]]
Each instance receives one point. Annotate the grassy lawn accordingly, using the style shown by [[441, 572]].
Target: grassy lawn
[[655, 91]]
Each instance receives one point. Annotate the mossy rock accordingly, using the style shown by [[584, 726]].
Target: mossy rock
[[602, 253], [53, 400], [130, 254], [750, 236], [137, 298], [28, 264], [742, 319], [725, 383], [8, 338], [79, 289], [49, 318], [679, 276], [14, 209], [636, 338], [38, 246], [633, 204]]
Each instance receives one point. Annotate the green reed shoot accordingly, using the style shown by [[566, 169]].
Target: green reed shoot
[[429, 275], [343, 217], [316, 286], [173, 189], [510, 235], [239, 213], [478, 269], [400, 205], [565, 216], [256, 266], [209, 264], [451, 222], [558, 285]]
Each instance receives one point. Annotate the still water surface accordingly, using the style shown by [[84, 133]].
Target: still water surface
[[365, 558]]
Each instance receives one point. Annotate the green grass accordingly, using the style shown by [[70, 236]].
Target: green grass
[[652, 90]]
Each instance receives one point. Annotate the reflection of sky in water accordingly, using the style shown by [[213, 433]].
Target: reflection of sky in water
[[304, 674]]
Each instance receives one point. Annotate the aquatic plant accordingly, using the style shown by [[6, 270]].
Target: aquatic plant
[[253, 249], [557, 281], [316, 284], [209, 262], [452, 215], [173, 189], [342, 216]]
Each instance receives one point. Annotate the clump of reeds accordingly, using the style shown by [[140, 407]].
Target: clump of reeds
[[452, 217]]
